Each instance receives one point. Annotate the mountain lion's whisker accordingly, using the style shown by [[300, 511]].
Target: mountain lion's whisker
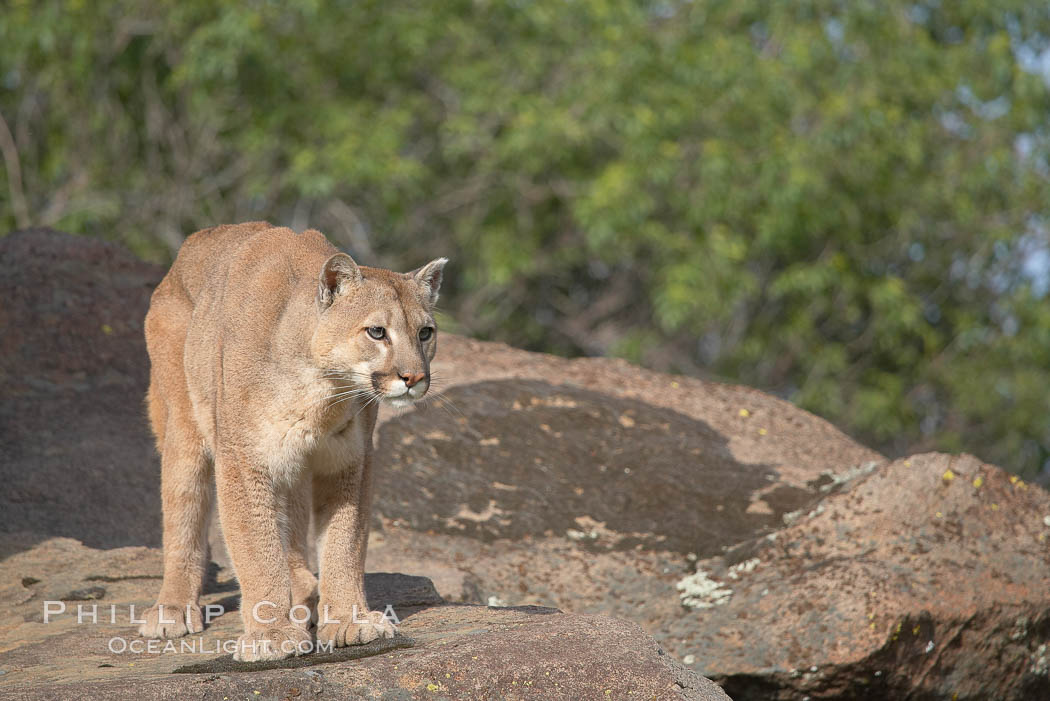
[[341, 398], [377, 397], [340, 391], [355, 395], [371, 393]]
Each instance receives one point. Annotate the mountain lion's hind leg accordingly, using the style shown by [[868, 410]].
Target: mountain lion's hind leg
[[186, 498]]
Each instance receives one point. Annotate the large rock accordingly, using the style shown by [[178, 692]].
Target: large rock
[[77, 457], [442, 651], [925, 579]]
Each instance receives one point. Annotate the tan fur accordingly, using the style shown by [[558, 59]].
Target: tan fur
[[264, 376]]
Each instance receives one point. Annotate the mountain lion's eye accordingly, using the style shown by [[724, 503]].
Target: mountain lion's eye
[[425, 333], [376, 332]]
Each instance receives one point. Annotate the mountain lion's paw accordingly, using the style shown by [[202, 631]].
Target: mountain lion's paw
[[171, 621], [275, 643], [356, 631]]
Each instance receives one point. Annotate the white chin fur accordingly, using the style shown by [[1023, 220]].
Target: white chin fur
[[399, 402]]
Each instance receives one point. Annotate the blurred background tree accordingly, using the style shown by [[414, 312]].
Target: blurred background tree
[[843, 203]]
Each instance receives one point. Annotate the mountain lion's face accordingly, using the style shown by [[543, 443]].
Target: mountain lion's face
[[376, 333]]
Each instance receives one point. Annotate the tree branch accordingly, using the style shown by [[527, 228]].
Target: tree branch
[[14, 175]]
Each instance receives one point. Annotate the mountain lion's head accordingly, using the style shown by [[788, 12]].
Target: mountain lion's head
[[376, 329]]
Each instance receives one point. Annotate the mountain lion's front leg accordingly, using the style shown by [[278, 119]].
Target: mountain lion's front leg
[[298, 502], [342, 504], [248, 507]]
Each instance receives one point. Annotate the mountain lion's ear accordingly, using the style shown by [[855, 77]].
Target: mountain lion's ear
[[429, 278], [338, 275]]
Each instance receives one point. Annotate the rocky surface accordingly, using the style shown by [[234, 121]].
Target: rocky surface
[[756, 543], [442, 651]]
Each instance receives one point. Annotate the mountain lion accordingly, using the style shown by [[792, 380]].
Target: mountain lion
[[269, 354]]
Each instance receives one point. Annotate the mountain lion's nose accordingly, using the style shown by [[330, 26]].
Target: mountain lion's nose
[[412, 378]]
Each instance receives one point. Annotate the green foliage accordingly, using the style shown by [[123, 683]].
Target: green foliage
[[834, 201]]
